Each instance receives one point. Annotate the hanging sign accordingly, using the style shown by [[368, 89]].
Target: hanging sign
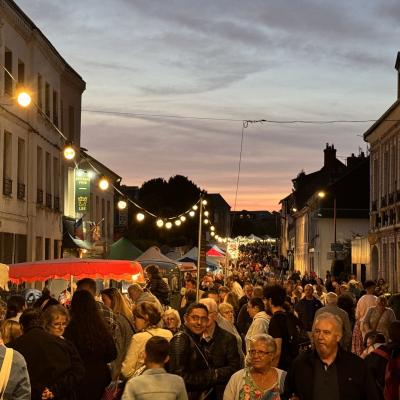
[[82, 191]]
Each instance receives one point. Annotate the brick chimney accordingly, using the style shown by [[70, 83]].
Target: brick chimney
[[353, 160], [329, 156], [397, 67]]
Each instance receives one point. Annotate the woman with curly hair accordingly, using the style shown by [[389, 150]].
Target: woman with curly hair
[[94, 342]]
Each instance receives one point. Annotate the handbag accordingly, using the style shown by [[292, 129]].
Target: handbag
[[114, 391], [5, 370]]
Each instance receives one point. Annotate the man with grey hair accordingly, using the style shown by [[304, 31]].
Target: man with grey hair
[[138, 295], [332, 307], [220, 348], [328, 372]]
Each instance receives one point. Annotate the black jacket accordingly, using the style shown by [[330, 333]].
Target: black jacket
[[306, 310], [354, 379], [52, 362], [223, 356], [159, 288], [186, 360]]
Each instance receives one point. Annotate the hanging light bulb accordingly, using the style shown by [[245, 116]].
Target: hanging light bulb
[[216, 236], [192, 213], [168, 225], [69, 152], [103, 183], [140, 217], [178, 222], [212, 228], [24, 99], [195, 207], [122, 204], [204, 202], [160, 223], [183, 218], [212, 233], [206, 221], [206, 213]]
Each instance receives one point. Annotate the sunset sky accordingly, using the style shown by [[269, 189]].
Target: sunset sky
[[220, 62]]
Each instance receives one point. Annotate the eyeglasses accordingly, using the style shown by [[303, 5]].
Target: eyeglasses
[[259, 353], [59, 325], [196, 318]]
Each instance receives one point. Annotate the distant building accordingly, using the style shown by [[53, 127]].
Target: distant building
[[220, 216], [308, 221], [259, 223], [384, 139]]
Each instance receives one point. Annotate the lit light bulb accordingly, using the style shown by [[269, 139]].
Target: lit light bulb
[[160, 223], [69, 152], [24, 99], [178, 222], [216, 237], [140, 217], [206, 213], [212, 228], [104, 184], [183, 218], [212, 233], [168, 225], [122, 204], [220, 239], [192, 213], [204, 202], [195, 207], [206, 221]]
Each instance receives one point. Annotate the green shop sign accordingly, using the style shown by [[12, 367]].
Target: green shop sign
[[82, 191]]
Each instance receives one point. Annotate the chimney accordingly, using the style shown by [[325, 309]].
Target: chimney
[[353, 160], [329, 156], [397, 67]]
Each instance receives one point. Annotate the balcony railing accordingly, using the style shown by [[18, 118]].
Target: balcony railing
[[7, 187], [391, 199], [383, 201], [56, 203], [21, 191], [39, 196], [49, 202]]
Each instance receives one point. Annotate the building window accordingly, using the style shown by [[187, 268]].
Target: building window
[[47, 248], [7, 164], [39, 91], [39, 175], [103, 215], [56, 183], [109, 216], [56, 249], [39, 248], [55, 108], [21, 169], [71, 123], [21, 73], [8, 82], [47, 99], [48, 181], [62, 115], [97, 214]]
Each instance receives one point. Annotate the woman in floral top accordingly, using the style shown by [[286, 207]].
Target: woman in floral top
[[260, 381]]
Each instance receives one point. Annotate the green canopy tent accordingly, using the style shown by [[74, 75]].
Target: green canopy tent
[[123, 249]]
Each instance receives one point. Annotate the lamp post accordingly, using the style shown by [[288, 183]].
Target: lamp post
[[199, 248], [321, 195]]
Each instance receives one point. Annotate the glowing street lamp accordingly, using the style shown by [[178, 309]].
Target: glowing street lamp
[[69, 152], [103, 183], [24, 99], [122, 204]]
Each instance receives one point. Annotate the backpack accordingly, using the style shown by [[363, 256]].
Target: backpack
[[298, 338], [392, 374]]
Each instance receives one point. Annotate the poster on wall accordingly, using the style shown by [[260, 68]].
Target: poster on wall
[[82, 191]]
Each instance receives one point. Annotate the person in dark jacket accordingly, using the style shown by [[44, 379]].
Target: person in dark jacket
[[187, 359], [329, 372], [51, 365], [307, 307], [377, 360], [157, 286], [94, 342]]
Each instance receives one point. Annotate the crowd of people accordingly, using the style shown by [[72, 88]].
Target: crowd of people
[[252, 335]]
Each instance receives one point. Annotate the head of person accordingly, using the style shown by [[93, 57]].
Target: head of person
[[331, 298], [327, 333], [212, 294], [276, 295], [153, 271], [172, 320], [394, 332], [254, 306], [369, 286], [156, 351], [113, 298], [190, 295], [373, 337], [87, 284], [196, 318], [381, 303], [190, 283], [308, 291], [15, 304], [258, 291], [222, 292], [227, 312], [248, 290], [55, 319], [212, 308], [135, 291], [146, 315], [10, 330], [262, 352], [30, 318]]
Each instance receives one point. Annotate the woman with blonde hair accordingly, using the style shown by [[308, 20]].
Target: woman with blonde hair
[[10, 330], [172, 320], [113, 298]]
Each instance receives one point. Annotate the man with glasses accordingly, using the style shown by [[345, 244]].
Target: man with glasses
[[328, 372]]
